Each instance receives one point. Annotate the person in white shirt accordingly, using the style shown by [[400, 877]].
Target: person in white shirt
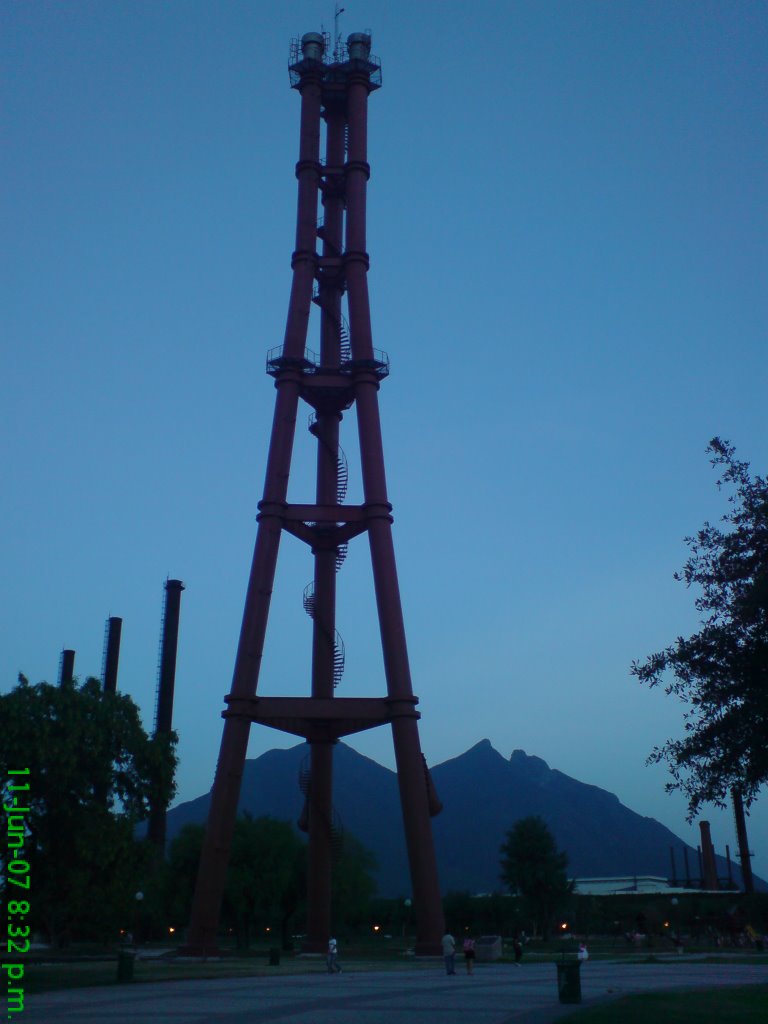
[[332, 958], [449, 953]]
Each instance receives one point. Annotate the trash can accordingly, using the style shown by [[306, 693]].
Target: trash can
[[125, 959], [274, 957], [569, 981]]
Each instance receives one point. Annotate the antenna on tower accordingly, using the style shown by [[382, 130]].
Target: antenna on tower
[[336, 34]]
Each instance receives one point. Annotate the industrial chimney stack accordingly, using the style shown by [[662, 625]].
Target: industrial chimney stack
[[741, 837], [111, 653], [66, 667], [709, 865], [165, 686]]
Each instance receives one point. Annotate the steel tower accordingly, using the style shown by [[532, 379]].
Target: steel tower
[[334, 86]]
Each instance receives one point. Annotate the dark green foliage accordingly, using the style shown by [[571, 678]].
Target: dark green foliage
[[266, 880], [353, 884], [183, 862], [532, 867], [93, 771], [721, 672], [264, 877], [743, 1004]]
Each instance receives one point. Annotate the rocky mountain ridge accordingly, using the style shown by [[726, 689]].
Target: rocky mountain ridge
[[483, 794]]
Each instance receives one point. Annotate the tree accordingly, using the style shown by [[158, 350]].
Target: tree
[[183, 862], [266, 858], [353, 883], [721, 672], [265, 880], [534, 869], [92, 773]]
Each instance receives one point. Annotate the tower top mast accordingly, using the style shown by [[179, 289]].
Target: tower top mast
[[337, 34]]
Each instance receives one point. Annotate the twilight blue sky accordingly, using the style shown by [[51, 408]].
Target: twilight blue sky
[[567, 227]]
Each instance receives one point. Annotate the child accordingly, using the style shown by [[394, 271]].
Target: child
[[469, 953]]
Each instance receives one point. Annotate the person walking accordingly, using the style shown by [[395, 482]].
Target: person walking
[[449, 953], [332, 958], [469, 954], [518, 948]]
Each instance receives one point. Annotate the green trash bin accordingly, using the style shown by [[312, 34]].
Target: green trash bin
[[569, 981], [274, 957], [125, 960]]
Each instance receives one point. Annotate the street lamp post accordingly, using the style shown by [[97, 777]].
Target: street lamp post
[[139, 898]]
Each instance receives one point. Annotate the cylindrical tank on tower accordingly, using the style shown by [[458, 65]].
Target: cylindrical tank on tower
[[359, 46], [312, 46]]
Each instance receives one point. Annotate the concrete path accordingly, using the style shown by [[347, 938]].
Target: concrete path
[[495, 994]]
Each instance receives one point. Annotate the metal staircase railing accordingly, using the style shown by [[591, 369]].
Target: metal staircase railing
[[339, 650], [342, 466], [320, 231], [339, 320]]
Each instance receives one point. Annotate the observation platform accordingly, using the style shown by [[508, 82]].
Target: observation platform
[[309, 364]]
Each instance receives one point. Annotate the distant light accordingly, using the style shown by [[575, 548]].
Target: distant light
[[564, 925], [267, 929], [376, 927], [171, 930], [666, 924]]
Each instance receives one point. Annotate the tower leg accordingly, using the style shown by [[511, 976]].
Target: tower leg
[[418, 837], [212, 872], [414, 797], [320, 853], [214, 857]]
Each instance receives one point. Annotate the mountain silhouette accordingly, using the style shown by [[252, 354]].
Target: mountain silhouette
[[483, 795]]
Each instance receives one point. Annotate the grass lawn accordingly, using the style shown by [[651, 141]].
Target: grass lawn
[[739, 1004]]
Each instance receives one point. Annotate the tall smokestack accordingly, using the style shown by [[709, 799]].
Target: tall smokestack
[[66, 668], [709, 868], [168, 648], [165, 686], [673, 880], [741, 836], [687, 868], [111, 654]]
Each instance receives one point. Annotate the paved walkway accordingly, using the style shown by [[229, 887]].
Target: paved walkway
[[495, 994]]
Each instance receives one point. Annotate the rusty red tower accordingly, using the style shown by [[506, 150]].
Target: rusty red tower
[[334, 85]]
